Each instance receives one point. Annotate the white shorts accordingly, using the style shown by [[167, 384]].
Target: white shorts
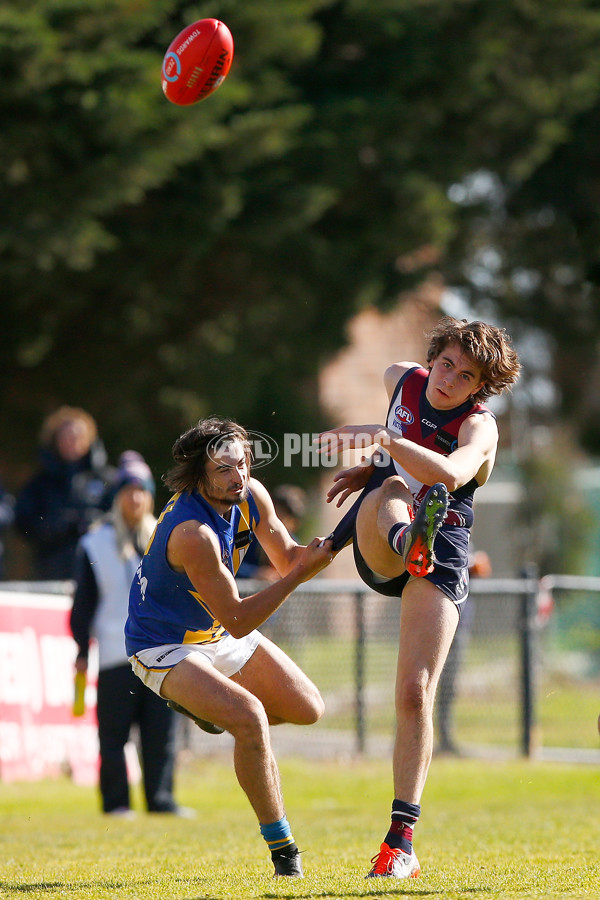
[[228, 656]]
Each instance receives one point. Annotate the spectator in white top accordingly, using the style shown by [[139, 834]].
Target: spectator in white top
[[107, 558]]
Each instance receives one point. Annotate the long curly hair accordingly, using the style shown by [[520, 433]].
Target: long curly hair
[[195, 446], [488, 347]]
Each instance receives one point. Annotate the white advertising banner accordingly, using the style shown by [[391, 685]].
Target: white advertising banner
[[39, 735]]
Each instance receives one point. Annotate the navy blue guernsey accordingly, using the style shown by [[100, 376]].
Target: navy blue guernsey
[[412, 416], [164, 606]]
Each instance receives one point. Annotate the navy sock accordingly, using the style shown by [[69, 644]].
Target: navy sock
[[404, 818], [396, 537]]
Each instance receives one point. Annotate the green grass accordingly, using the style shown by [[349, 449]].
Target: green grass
[[488, 830], [567, 713]]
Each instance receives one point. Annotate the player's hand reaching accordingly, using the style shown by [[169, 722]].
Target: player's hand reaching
[[350, 437], [315, 557], [348, 481]]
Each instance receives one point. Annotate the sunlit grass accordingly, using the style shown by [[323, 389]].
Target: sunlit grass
[[490, 830]]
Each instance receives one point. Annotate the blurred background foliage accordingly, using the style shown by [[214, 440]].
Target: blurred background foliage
[[160, 263]]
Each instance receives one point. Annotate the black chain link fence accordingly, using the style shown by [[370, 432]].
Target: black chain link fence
[[523, 676]]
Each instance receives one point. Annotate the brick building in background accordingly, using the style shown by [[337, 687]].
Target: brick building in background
[[351, 386]]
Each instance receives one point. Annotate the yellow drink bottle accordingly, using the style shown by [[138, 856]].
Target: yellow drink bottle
[[79, 695]]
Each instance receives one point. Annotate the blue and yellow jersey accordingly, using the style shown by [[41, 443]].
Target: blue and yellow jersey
[[164, 606]]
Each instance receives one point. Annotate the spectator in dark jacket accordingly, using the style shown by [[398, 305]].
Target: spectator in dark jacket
[[70, 490], [7, 515]]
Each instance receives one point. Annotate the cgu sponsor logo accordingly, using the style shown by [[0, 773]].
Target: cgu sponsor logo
[[171, 67], [448, 442]]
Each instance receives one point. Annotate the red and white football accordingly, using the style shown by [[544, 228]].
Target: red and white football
[[197, 62]]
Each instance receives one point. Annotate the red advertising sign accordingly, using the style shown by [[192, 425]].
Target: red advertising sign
[[39, 735]]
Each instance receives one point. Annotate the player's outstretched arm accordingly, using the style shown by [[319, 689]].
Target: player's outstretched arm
[[477, 441], [281, 548], [194, 549]]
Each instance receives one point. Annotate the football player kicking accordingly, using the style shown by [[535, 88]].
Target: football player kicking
[[410, 530]]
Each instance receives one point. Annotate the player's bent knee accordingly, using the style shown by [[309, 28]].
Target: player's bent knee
[[305, 707], [315, 709], [395, 487], [250, 721], [313, 705], [319, 706]]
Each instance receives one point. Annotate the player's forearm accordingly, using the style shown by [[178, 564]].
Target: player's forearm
[[424, 464], [254, 610], [289, 559]]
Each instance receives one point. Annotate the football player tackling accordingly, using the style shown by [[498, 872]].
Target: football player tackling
[[190, 636]]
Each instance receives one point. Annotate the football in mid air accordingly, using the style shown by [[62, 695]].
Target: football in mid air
[[197, 62]]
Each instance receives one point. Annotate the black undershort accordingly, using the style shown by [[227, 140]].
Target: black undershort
[[450, 573]]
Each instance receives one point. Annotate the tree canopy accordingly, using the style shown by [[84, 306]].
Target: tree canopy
[[160, 263]]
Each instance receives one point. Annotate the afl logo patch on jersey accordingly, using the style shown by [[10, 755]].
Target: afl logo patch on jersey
[[403, 416]]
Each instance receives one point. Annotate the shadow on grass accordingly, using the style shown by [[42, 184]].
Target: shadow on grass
[[9, 888], [390, 890]]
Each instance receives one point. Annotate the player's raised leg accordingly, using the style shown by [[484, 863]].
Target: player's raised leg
[[382, 509], [414, 542], [391, 538]]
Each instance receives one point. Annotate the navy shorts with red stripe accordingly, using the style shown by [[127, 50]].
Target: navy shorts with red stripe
[[451, 548], [450, 573]]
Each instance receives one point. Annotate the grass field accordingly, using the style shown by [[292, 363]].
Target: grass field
[[488, 830]]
